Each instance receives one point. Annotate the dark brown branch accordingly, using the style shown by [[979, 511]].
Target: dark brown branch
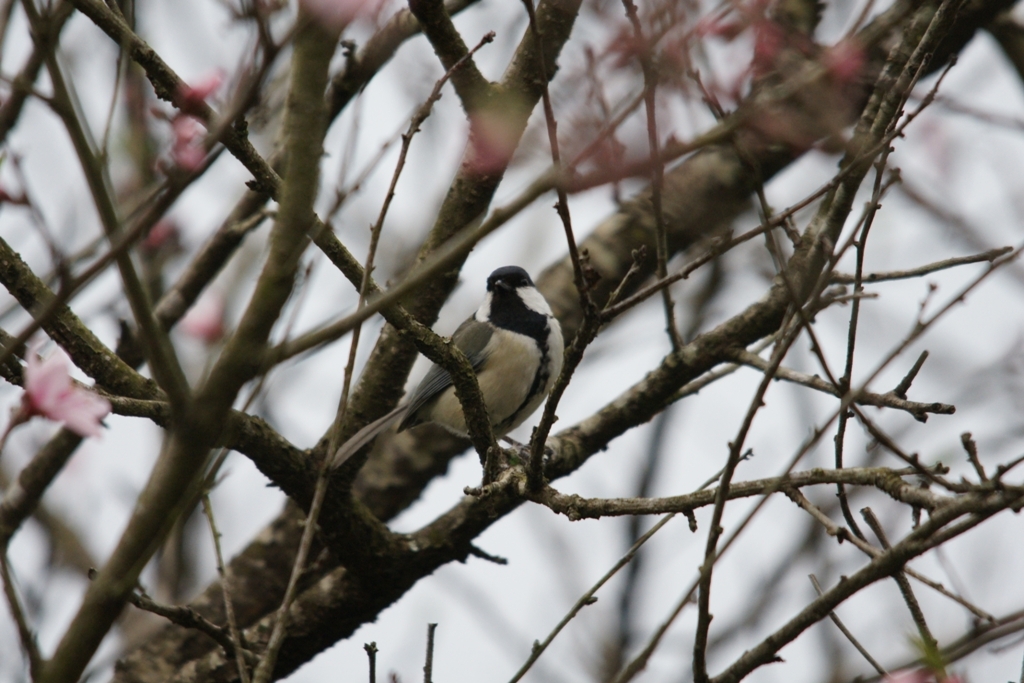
[[473, 89], [890, 399], [930, 534], [888, 480], [377, 51], [984, 257], [906, 590], [972, 455], [843, 534], [24, 494], [846, 632], [189, 618], [44, 42]]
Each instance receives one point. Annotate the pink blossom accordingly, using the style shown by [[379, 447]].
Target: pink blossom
[[164, 234], [50, 393], [494, 138], [205, 320], [337, 14], [187, 149], [624, 46], [769, 40], [844, 60], [717, 26], [191, 98]]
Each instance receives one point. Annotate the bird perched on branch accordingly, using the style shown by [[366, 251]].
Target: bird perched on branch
[[515, 347]]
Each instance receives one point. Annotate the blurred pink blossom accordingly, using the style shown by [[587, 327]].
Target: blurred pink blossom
[[205, 320], [164, 234], [187, 148], [844, 60], [719, 26], [493, 141], [769, 40], [337, 14], [192, 97], [50, 393], [624, 46]]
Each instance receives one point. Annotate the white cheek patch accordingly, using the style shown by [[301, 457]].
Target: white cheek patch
[[483, 314], [533, 299]]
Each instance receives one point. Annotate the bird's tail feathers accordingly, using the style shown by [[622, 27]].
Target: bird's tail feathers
[[365, 436]]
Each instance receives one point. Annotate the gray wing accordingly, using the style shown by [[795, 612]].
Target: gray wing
[[471, 338]]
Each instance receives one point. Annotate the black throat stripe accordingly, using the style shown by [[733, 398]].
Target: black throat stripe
[[510, 313]]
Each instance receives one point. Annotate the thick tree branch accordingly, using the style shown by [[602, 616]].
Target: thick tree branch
[[473, 89]]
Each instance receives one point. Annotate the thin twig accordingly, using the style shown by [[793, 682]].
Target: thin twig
[[716, 248], [640, 660], [313, 47], [860, 246], [711, 552], [371, 655], [983, 257], [903, 387], [188, 618], [972, 454], [904, 585], [163, 361], [846, 632], [889, 481], [28, 639], [277, 635], [562, 207], [588, 598], [657, 167], [229, 610], [428, 666], [837, 531], [587, 305], [919, 410]]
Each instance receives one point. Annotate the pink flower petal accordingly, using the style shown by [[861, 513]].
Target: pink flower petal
[[82, 412], [192, 97], [187, 148], [845, 60], [164, 234], [769, 40], [46, 381], [50, 393], [719, 27], [493, 138], [205, 320], [337, 14]]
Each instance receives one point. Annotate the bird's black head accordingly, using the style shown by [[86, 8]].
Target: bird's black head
[[508, 279], [513, 303]]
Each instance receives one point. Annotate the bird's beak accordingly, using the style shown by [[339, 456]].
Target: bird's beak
[[503, 286]]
